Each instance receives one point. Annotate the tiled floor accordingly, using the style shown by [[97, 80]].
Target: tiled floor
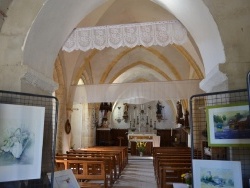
[[139, 173]]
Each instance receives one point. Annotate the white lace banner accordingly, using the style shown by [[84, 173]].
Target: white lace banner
[[130, 35]]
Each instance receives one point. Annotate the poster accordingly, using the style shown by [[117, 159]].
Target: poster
[[213, 173], [64, 179], [21, 142], [228, 125]]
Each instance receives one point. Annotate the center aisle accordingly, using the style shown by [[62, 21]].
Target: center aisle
[[139, 173]]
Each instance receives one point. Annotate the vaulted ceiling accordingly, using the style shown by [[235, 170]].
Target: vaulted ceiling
[[122, 65], [138, 64]]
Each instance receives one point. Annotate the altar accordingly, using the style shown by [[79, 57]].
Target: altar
[[152, 140]]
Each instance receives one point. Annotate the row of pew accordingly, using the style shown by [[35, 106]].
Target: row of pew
[[170, 163], [102, 164]]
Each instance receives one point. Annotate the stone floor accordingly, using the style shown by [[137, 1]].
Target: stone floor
[[139, 173]]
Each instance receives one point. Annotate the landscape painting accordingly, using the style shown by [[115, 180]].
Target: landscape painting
[[21, 141], [228, 125], [212, 173]]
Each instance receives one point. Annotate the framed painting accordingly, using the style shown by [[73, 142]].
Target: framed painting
[[228, 125], [213, 173], [64, 179], [21, 142]]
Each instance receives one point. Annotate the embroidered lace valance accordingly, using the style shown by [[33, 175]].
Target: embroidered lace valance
[[130, 35]]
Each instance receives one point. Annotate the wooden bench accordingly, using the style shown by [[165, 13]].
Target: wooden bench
[[89, 185], [170, 151], [111, 168], [172, 157], [116, 158], [171, 163], [176, 150], [170, 175], [122, 149], [86, 170], [108, 162]]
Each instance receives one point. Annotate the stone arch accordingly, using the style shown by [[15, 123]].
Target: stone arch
[[40, 33], [43, 44], [46, 32]]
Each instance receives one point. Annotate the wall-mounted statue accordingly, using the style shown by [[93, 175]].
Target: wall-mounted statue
[[105, 108], [125, 113], [159, 108], [179, 116], [186, 120]]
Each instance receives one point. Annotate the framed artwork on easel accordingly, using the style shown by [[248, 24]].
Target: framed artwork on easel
[[228, 125]]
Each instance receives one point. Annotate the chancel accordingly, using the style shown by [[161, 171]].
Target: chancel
[[144, 125]]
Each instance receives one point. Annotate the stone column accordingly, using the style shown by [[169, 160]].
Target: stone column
[[214, 81]]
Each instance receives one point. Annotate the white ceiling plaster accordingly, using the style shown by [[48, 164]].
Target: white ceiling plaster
[[51, 28], [195, 16], [139, 72]]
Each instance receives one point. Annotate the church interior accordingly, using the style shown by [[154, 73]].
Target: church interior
[[127, 83]]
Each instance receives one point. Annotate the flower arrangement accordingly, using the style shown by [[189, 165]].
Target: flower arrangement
[[141, 146], [187, 177]]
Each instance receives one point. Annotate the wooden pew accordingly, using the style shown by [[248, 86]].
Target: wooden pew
[[86, 170], [158, 150], [111, 161], [89, 185], [119, 162], [170, 175], [108, 162], [173, 150], [122, 149], [169, 163], [172, 157], [117, 157], [170, 151]]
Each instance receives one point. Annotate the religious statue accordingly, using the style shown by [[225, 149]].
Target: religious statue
[[125, 113], [105, 108], [179, 117], [158, 111], [159, 108], [186, 121]]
